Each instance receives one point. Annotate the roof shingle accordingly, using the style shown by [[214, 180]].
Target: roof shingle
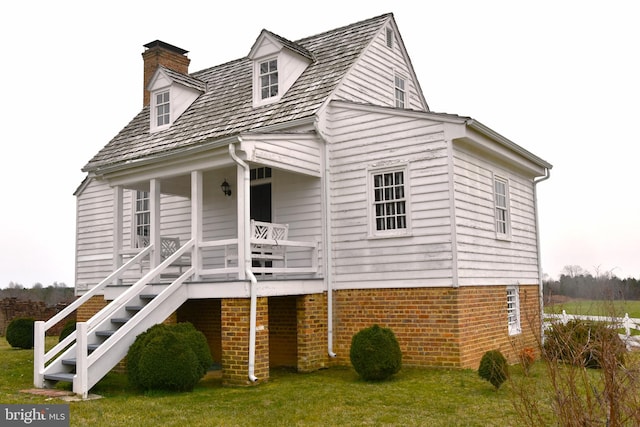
[[226, 108]]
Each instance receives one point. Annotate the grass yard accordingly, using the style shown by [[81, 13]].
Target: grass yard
[[596, 308], [336, 396]]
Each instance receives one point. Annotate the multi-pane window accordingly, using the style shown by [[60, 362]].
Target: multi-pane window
[[513, 310], [260, 173], [142, 217], [269, 79], [501, 199], [162, 108], [400, 93], [389, 201]]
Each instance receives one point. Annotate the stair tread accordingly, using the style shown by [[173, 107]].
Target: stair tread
[[120, 320], [60, 376], [69, 362], [105, 333], [148, 296]]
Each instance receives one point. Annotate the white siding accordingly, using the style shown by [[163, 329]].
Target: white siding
[[94, 234], [484, 259], [371, 80], [297, 202], [360, 139]]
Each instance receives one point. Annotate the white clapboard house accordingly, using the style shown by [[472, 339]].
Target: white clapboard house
[[285, 200]]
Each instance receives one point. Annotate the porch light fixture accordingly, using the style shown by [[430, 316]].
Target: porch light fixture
[[226, 188]]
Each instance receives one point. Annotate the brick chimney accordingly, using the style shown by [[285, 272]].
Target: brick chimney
[[161, 53]]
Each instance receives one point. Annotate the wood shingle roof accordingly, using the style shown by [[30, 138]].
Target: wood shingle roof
[[226, 108]]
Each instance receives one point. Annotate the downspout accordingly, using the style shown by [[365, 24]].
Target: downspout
[[247, 264], [327, 244], [547, 175]]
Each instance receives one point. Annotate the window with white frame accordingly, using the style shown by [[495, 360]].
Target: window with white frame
[[513, 310], [142, 218], [162, 107], [501, 202], [268, 79], [389, 202], [400, 94]]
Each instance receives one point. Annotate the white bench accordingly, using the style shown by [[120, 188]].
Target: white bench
[[264, 243]]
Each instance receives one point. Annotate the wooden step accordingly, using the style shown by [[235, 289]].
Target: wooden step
[[105, 333], [60, 376], [69, 362], [120, 320]]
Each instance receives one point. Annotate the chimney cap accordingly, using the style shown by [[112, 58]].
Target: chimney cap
[[166, 46]]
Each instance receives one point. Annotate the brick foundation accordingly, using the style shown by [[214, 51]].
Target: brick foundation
[[91, 307], [312, 332], [235, 341], [443, 327], [205, 315]]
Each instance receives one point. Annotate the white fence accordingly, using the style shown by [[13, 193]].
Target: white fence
[[617, 322]]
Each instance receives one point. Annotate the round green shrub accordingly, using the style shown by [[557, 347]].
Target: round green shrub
[[168, 357], [20, 332], [375, 353], [494, 368], [68, 328], [168, 363], [584, 343]]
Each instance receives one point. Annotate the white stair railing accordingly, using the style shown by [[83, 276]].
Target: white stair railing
[[40, 359]]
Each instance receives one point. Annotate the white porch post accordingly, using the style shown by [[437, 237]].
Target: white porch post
[[243, 218], [196, 221], [117, 228], [154, 202]]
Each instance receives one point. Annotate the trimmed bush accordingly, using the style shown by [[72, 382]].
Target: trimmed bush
[[493, 368], [168, 357], [583, 343], [20, 332], [375, 353], [68, 328]]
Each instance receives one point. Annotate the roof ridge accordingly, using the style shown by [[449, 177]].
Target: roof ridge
[[354, 24]]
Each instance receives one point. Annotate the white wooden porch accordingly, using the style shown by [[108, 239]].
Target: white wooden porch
[[218, 260]]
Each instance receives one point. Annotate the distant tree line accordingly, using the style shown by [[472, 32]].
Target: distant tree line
[[51, 295], [576, 282]]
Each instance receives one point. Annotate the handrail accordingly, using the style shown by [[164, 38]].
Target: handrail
[[93, 291], [124, 297], [40, 327]]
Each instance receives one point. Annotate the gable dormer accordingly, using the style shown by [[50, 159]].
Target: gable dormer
[[171, 93], [277, 64]]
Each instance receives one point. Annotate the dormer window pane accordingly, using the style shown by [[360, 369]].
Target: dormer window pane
[[162, 108], [269, 79]]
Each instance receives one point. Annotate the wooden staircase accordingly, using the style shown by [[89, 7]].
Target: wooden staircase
[[98, 345]]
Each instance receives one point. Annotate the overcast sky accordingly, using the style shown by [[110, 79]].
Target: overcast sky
[[559, 78]]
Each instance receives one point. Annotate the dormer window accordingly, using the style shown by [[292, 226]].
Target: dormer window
[[277, 64], [163, 110], [269, 79], [171, 94]]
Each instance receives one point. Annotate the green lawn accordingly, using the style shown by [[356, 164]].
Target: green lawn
[[336, 396], [597, 308]]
